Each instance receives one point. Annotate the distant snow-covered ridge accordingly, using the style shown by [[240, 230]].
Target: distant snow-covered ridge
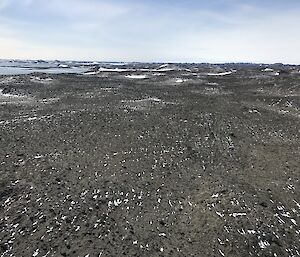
[[161, 69]]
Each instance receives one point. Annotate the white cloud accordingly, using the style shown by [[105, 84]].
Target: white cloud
[[269, 39], [7, 3], [87, 9], [4, 3], [115, 30]]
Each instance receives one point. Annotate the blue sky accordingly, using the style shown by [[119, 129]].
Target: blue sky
[[154, 31]]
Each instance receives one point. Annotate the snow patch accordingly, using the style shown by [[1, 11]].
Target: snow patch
[[113, 70], [63, 66], [263, 244], [153, 99], [41, 80], [220, 74], [132, 76], [179, 80], [2, 95], [164, 70], [7, 80], [163, 66], [36, 253], [268, 70], [235, 215]]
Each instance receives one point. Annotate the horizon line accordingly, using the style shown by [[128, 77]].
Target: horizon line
[[151, 62]]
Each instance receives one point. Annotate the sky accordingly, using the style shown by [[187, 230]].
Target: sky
[[261, 31]]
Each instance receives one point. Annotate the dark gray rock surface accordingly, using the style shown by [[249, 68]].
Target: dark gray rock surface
[[180, 163]]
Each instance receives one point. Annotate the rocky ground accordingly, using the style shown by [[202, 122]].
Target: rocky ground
[[149, 160]]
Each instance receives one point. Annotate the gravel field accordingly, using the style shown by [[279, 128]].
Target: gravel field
[[151, 160]]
